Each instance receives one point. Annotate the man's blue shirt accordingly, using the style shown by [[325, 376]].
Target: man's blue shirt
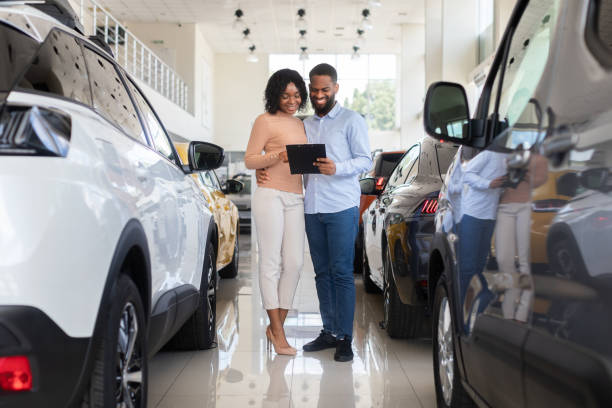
[[345, 135]]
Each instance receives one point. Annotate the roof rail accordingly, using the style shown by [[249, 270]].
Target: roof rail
[[61, 11]]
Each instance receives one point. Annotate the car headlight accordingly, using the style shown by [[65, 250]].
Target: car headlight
[[34, 131]]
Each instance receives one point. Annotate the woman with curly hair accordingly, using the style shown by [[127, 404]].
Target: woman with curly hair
[[278, 208]]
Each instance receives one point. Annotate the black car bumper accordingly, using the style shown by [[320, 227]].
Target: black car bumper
[[57, 361]]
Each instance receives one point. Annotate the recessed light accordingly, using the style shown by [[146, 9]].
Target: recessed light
[[402, 13], [337, 34], [321, 31], [391, 38], [339, 28]]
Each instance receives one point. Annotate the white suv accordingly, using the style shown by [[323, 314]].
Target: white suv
[[106, 243]]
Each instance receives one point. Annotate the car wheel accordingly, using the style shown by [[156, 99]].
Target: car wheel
[[368, 285], [198, 333], [449, 390], [401, 321], [566, 261], [231, 270], [119, 375]]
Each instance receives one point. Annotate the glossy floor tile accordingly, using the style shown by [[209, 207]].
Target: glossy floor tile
[[241, 372]]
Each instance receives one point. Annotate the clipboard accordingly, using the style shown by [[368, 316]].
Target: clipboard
[[302, 156]]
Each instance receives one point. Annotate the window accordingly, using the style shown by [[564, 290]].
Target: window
[[525, 61], [367, 84], [110, 97], [210, 180], [599, 30], [403, 170], [57, 69], [16, 51], [156, 130]]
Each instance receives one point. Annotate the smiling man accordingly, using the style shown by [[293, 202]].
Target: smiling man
[[331, 204]]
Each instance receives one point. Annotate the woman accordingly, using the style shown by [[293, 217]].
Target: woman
[[278, 208]]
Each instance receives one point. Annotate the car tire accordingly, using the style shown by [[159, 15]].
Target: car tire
[[449, 390], [368, 284], [565, 259], [119, 373], [198, 332], [401, 321], [231, 270]]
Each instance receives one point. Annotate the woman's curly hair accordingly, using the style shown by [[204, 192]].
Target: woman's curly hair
[[278, 83]]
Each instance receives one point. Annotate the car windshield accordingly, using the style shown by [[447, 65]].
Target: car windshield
[[16, 51]]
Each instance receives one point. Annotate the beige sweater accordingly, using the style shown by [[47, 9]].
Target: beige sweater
[[270, 134]]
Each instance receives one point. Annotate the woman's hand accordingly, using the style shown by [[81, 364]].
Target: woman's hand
[[262, 176]]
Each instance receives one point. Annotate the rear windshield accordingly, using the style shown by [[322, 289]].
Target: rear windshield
[[445, 154], [386, 163], [16, 51]]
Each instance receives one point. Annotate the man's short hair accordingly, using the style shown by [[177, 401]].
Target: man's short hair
[[324, 69]]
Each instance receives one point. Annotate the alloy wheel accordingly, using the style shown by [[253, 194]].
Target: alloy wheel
[[387, 289], [211, 295], [129, 360], [446, 354]]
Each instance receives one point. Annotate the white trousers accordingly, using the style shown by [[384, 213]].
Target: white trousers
[[279, 221]]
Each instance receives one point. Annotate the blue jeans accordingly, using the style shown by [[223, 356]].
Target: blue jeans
[[331, 237], [474, 245]]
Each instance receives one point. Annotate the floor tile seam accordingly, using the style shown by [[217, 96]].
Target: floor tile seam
[[408, 378], [175, 379]]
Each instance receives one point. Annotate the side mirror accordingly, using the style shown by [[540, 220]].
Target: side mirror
[[232, 187], [567, 184], [446, 114], [595, 179], [368, 186], [205, 156]]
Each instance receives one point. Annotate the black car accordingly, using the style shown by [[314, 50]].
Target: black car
[[397, 231], [508, 333]]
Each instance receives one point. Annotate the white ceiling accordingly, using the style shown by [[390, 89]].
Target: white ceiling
[[332, 24]]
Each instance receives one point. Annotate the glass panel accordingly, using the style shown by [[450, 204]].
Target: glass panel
[[58, 69], [110, 97], [16, 51], [402, 170], [156, 130]]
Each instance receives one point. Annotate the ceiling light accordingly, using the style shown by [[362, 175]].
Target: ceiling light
[[246, 41], [252, 57], [375, 3], [366, 23], [301, 21], [360, 41], [302, 40], [238, 22], [355, 53], [303, 54]]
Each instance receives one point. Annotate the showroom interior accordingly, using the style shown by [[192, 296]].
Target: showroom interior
[[195, 334]]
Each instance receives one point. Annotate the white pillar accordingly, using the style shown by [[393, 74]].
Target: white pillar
[[412, 83]]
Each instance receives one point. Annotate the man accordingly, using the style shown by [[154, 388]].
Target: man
[[331, 204]]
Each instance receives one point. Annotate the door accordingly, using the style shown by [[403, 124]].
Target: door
[[495, 276]]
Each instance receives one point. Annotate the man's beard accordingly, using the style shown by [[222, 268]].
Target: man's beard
[[324, 110]]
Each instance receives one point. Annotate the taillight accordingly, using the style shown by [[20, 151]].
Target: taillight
[[15, 374], [429, 206], [380, 183], [548, 205], [34, 131]]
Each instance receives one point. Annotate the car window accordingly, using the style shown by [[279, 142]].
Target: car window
[[525, 63], [156, 130], [58, 68], [209, 180], [386, 164], [110, 97], [403, 169], [16, 51]]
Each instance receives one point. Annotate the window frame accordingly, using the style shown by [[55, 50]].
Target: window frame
[[600, 51]]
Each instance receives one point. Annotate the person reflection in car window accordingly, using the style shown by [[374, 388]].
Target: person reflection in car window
[[512, 237], [484, 176]]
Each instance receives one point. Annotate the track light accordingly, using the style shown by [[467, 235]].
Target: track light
[[355, 53], [252, 57], [246, 41], [360, 41], [366, 23], [301, 21], [303, 54], [302, 40], [238, 22], [374, 3]]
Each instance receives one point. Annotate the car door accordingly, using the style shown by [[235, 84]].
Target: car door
[[377, 212], [496, 287], [568, 347]]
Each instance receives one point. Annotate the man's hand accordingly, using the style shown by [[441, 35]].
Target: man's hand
[[326, 166], [498, 182], [262, 176], [283, 156]]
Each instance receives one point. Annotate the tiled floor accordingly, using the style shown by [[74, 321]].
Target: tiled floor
[[242, 373]]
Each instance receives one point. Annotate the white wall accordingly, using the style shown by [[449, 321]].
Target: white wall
[[412, 83], [238, 98]]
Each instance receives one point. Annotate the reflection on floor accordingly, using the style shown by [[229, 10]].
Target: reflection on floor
[[241, 373]]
